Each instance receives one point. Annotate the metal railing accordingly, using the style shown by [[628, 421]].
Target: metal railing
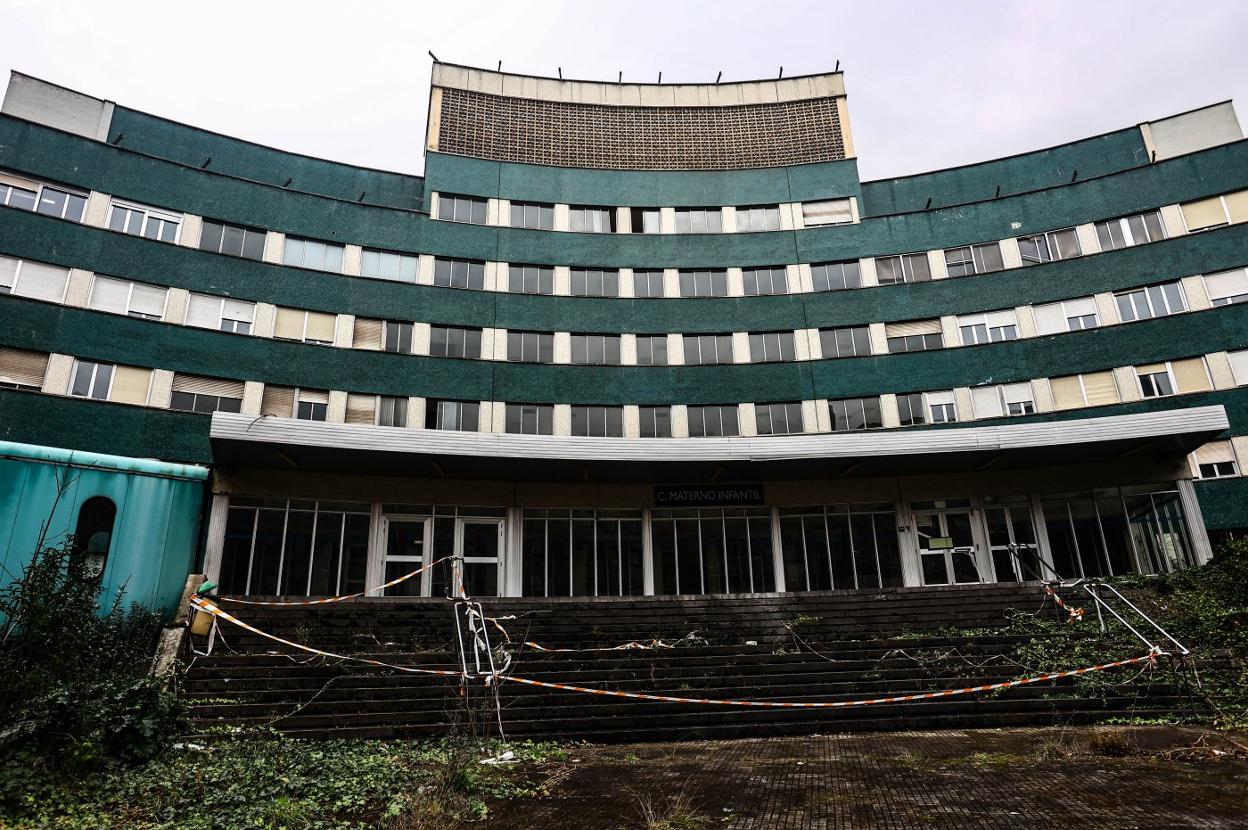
[[1094, 587]]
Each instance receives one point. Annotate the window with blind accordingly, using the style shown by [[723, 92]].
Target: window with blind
[[713, 421], [20, 369], [992, 327], [1155, 380], [1011, 399], [35, 280], [1089, 389], [130, 298], [388, 265], [141, 220], [778, 418], [221, 313], [1216, 460], [312, 253], [1190, 375], [595, 282], [758, 218], [26, 194], [941, 407], [772, 346], [652, 350], [379, 410], [914, 336], [827, 212], [836, 276], [703, 283], [105, 381], [760, 281], [890, 270], [596, 349], [598, 421], [368, 334], [1227, 287], [1239, 366], [456, 208], [585, 219], [232, 240], [707, 349], [1069, 315], [699, 220], [278, 401], [192, 393], [305, 326], [1203, 214], [311, 404], [530, 279]]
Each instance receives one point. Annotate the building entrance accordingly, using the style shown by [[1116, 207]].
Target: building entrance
[[947, 545]]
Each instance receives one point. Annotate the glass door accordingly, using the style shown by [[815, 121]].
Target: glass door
[[407, 541], [946, 547], [480, 544], [1011, 526]]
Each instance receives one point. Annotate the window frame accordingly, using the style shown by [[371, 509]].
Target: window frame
[[1052, 246], [862, 410], [543, 211], [327, 248], [717, 339], [815, 274], [604, 219], [470, 202], [767, 412], [130, 285], [1105, 228], [721, 410], [714, 279], [95, 365], [540, 339], [907, 265], [150, 214], [975, 261], [1150, 301], [767, 342], [456, 338], [583, 349], [767, 216], [697, 220], [248, 233], [753, 285], [474, 272]]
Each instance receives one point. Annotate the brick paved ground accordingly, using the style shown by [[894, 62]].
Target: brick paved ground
[[1120, 778]]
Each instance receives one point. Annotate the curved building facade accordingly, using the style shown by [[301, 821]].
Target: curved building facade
[[634, 339]]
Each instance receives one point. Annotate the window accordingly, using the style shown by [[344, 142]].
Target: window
[[1049, 247], [585, 219], [645, 220], [1154, 301], [1173, 377], [105, 381], [656, 421], [391, 411], [699, 220], [530, 419], [19, 193], [1227, 287], [839, 546], [914, 336], [130, 298], [386, 265], [595, 282], [973, 259], [652, 350], [942, 407], [581, 553], [20, 369], [1239, 366], [1069, 315], [713, 421], [992, 327], [530, 279], [1126, 231], [306, 326], [206, 395], [910, 409], [221, 313], [93, 534], [596, 349], [707, 349], [452, 341], [890, 270], [766, 281], [530, 347], [850, 414], [1089, 389], [647, 283], [827, 212], [1216, 211], [232, 240], [51, 201], [397, 337], [758, 218], [91, 380], [1155, 380], [1216, 460], [454, 208], [778, 418], [459, 273], [23, 278], [771, 346], [712, 550], [138, 220], [459, 416], [999, 401], [704, 283], [598, 421], [311, 405], [847, 342], [312, 253], [538, 216], [836, 276]]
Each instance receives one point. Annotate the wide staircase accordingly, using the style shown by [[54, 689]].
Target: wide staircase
[[837, 646]]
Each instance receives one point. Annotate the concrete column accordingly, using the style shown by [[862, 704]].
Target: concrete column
[[264, 321], [628, 350], [513, 560], [747, 419], [1196, 293], [1026, 321], [500, 344], [422, 332], [823, 416], [490, 281], [1172, 218], [214, 542], [777, 551], [175, 306], [889, 415], [78, 288], [353, 260], [626, 282], [667, 220], [671, 282], [191, 231], [375, 569], [496, 411], [253, 394], [1089, 242], [563, 217], [493, 216], [336, 411], [736, 282], [1010, 255], [161, 389], [1195, 521], [1127, 383], [680, 421], [791, 216], [675, 350], [867, 273], [56, 377], [1042, 395], [963, 404], [274, 245], [647, 554], [810, 415], [740, 347], [424, 270], [96, 214], [805, 280], [949, 331], [504, 212], [563, 419], [879, 338], [632, 421], [416, 413], [487, 344], [563, 280], [802, 343], [729, 219], [1220, 371], [563, 347], [936, 262], [502, 280], [344, 331], [623, 220], [1107, 309]]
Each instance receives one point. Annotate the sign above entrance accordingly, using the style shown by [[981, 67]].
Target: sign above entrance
[[707, 495]]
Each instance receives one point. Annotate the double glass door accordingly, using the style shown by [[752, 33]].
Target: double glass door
[[410, 544], [946, 546]]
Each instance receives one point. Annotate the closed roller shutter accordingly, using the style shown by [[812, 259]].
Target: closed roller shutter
[[41, 282], [1067, 392], [1227, 284], [278, 401], [8, 273], [1099, 388], [17, 181], [1239, 367], [1050, 318], [238, 310], [361, 409], [1190, 375], [203, 311], [108, 294], [1215, 452], [313, 396], [912, 327], [130, 385], [22, 368], [1237, 205], [1007, 317], [1206, 213], [987, 402], [289, 325], [827, 212], [367, 334], [148, 300], [321, 326], [221, 387]]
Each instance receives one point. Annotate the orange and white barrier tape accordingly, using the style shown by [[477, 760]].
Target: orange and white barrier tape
[[328, 600], [634, 645], [1076, 614]]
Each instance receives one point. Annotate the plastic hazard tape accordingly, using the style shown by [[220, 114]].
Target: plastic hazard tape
[[327, 600], [647, 646], [1076, 614], [201, 604]]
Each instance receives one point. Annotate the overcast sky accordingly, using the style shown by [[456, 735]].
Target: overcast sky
[[931, 84]]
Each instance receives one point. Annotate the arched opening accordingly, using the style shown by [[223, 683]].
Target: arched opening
[[93, 535]]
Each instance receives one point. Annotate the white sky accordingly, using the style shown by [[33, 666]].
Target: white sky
[[931, 84]]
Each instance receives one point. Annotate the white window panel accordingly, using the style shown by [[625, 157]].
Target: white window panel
[[221, 313], [8, 274], [992, 327], [40, 282], [1227, 287], [1239, 367], [145, 221], [941, 407], [1069, 315], [827, 212], [126, 297], [987, 403], [1018, 399]]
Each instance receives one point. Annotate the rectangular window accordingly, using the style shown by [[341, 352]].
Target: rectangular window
[[391, 411], [778, 418], [839, 546], [23, 278], [942, 408], [459, 273], [712, 550], [312, 253], [853, 341], [699, 220], [586, 219], [456, 208], [530, 279], [707, 349], [596, 349], [973, 259], [538, 216], [530, 419], [454, 341], [645, 220], [758, 218], [1216, 460], [910, 410], [1155, 380], [140, 220], [305, 326], [20, 369], [836, 276], [47, 199], [206, 395], [133, 299], [1011, 399], [1239, 366], [1153, 301], [1069, 315], [1227, 287], [656, 421], [220, 313], [827, 212], [993, 327], [760, 281], [647, 283], [914, 336], [459, 416], [1204, 214], [713, 421], [232, 240], [850, 414], [311, 405], [581, 553], [387, 265], [595, 282], [1090, 389], [771, 346], [1126, 231], [598, 421], [530, 347], [890, 270], [704, 283], [91, 380], [652, 350], [397, 337], [1049, 247], [16, 192]]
